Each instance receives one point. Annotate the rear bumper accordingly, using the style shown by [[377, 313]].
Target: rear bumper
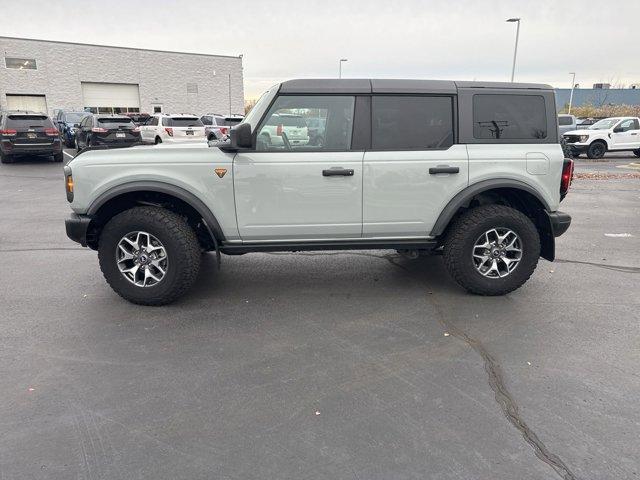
[[77, 226], [184, 139], [31, 149], [560, 222]]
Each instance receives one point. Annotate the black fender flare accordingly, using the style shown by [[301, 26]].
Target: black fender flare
[[464, 197], [168, 189]]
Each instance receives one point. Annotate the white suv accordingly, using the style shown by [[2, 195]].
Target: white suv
[[173, 129], [285, 127], [469, 170]]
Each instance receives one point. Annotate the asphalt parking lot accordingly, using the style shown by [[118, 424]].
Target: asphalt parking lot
[[335, 365]]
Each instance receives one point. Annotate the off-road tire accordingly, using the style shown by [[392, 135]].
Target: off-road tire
[[464, 232], [4, 158], [58, 157], [566, 149], [179, 240], [596, 150]]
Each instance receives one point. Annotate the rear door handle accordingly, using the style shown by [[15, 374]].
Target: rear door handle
[[332, 172], [443, 169]]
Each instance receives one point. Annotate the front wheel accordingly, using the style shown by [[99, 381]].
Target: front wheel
[[492, 250], [596, 150], [149, 255]]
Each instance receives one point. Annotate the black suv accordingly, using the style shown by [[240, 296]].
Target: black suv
[[107, 130], [28, 133]]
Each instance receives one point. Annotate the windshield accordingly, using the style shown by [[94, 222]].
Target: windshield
[[74, 117], [605, 124]]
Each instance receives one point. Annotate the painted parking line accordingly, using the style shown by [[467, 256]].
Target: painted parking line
[[67, 154]]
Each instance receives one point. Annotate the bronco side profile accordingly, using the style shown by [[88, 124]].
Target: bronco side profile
[[471, 170]]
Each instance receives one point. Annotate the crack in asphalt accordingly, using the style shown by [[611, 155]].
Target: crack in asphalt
[[616, 268], [38, 249], [494, 371]]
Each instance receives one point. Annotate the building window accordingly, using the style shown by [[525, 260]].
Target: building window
[[20, 63], [192, 88]]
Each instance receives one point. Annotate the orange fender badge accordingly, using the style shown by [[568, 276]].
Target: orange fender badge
[[220, 172]]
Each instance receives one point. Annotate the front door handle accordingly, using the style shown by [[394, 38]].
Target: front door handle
[[443, 169], [331, 172]]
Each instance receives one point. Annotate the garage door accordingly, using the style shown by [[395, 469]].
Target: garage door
[[110, 97], [35, 103]]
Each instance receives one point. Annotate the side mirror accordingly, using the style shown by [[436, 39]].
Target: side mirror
[[618, 130], [240, 137]]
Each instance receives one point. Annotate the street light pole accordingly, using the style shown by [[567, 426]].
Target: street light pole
[[515, 50], [340, 67], [573, 85]]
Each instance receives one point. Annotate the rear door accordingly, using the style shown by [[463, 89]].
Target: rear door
[[186, 128], [294, 192], [31, 130], [627, 136], [413, 168], [118, 130]]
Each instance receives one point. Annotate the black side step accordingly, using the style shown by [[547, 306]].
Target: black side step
[[235, 249]]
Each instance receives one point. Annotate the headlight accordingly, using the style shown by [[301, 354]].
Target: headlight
[[583, 138]]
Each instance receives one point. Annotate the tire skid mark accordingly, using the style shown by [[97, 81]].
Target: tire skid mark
[[616, 268]]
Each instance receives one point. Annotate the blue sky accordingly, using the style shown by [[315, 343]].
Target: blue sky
[[280, 39]]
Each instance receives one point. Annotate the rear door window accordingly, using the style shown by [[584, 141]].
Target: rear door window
[[515, 117], [402, 122]]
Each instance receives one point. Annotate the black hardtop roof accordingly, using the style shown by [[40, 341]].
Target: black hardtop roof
[[383, 85]]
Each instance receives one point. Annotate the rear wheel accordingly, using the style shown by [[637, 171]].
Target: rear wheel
[[4, 158], [596, 150], [158, 140], [492, 250], [58, 157], [149, 255]]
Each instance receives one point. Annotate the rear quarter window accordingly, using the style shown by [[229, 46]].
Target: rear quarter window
[[505, 116]]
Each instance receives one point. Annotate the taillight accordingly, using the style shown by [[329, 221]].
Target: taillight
[[224, 130], [169, 131], [279, 130], [52, 132], [8, 133], [99, 130], [567, 177], [135, 129]]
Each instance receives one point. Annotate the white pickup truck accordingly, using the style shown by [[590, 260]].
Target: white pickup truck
[[615, 133]]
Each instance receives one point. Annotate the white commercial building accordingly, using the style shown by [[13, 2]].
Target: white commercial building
[[48, 76]]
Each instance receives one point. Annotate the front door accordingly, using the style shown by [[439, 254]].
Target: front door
[[413, 168], [292, 188], [628, 136]]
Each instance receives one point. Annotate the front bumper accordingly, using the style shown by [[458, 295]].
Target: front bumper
[[560, 222], [77, 226]]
